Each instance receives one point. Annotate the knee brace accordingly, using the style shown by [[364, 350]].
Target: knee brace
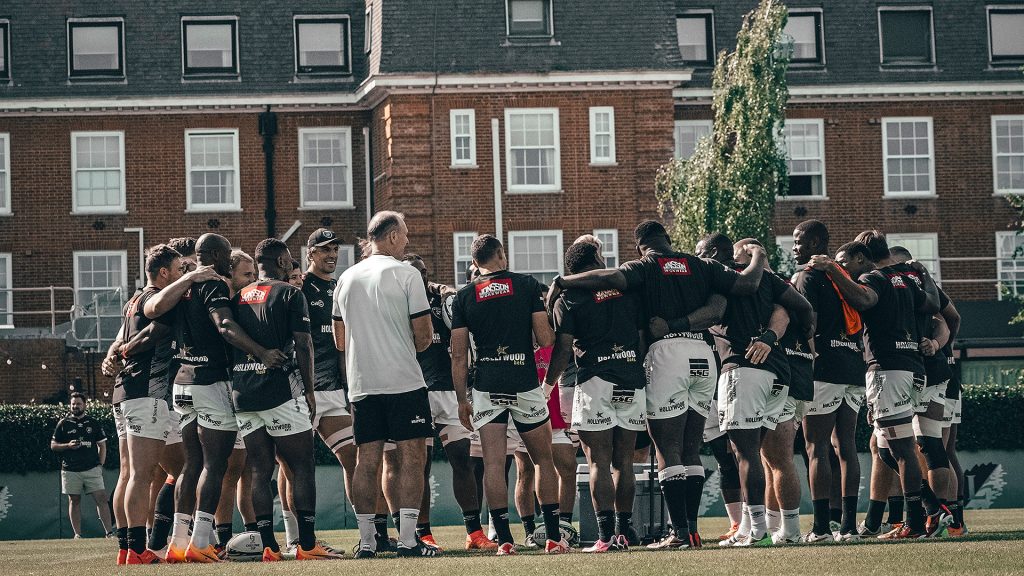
[[886, 456], [934, 452]]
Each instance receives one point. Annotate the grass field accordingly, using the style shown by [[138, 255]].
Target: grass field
[[994, 547]]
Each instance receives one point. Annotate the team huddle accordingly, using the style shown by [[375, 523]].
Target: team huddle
[[227, 365]]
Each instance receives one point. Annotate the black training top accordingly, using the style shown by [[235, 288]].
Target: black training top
[[86, 430], [801, 361], [328, 374], [746, 318], [606, 339], [436, 361], [202, 353], [270, 312], [891, 333], [498, 310], [840, 355], [146, 374]]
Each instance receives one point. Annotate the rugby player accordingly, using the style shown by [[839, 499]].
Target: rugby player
[[504, 313], [674, 287], [296, 277], [888, 302], [602, 330], [838, 387], [381, 320]]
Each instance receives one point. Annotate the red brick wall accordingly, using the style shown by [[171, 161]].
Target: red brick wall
[[25, 381], [965, 214]]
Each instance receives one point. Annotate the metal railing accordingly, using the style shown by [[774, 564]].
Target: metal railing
[[53, 312], [89, 323]]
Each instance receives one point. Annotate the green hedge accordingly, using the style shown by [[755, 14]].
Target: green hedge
[[992, 420]]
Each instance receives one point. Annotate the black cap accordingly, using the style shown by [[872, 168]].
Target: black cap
[[322, 237]]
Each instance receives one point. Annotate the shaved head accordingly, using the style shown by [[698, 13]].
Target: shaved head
[[214, 250]]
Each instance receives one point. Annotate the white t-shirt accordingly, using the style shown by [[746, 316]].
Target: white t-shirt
[[376, 299]]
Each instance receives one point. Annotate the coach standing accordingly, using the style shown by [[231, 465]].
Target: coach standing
[[83, 449], [381, 319]]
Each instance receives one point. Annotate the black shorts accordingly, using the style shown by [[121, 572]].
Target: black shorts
[[396, 417]]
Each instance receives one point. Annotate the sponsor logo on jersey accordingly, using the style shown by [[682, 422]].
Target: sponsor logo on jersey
[[317, 303], [417, 420], [618, 353], [897, 280], [843, 343], [327, 329], [490, 289], [674, 266], [254, 294], [602, 295]]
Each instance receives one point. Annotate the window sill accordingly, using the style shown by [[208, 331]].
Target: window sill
[[1005, 65], [801, 198], [808, 67], [213, 210], [464, 166], [997, 193], [209, 78], [528, 192], [119, 212], [325, 207], [910, 196], [930, 67], [603, 164], [323, 78], [513, 41], [99, 79], [6, 214]]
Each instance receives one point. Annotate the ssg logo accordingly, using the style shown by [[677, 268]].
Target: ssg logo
[[491, 289], [674, 266]]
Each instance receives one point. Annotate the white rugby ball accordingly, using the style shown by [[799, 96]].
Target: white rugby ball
[[245, 547], [568, 532], [446, 310]]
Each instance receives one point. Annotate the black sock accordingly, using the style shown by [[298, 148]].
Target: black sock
[[915, 511], [163, 517], [423, 529], [674, 491], [472, 521], [223, 533], [873, 520], [529, 523], [137, 539], [930, 500], [605, 525], [565, 516], [499, 520], [252, 527], [122, 538], [821, 516], [307, 533], [895, 510], [694, 492], [835, 515], [380, 524], [550, 512], [265, 526], [623, 520], [396, 517], [849, 523], [957, 510]]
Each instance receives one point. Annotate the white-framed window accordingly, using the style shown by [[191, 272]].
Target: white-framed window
[[609, 239], [211, 170], [805, 157], [602, 135], [909, 156], [97, 172], [806, 31], [787, 261], [462, 248], [532, 150], [1006, 34], [463, 137], [6, 298], [906, 36], [924, 247], [101, 282], [346, 258], [537, 253], [5, 173], [695, 33], [209, 45], [322, 44], [687, 134], [325, 167], [368, 28], [529, 18], [5, 49], [95, 47], [1008, 154], [1010, 263]]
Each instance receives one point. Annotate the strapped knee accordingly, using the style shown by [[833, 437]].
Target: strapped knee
[[885, 455], [934, 452]]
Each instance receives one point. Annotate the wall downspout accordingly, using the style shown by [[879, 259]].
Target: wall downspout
[[268, 129]]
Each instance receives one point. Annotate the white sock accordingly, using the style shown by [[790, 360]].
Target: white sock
[[491, 532], [367, 531], [291, 526], [791, 523], [774, 520], [180, 531], [202, 530], [735, 511], [407, 526], [758, 523], [744, 528]]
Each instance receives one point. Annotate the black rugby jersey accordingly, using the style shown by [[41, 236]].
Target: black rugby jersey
[[89, 433], [746, 318], [202, 354], [145, 374], [801, 361], [605, 325], [328, 374], [840, 355], [891, 327], [436, 361]]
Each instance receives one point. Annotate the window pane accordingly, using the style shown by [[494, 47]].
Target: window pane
[[95, 47], [1007, 34], [906, 36], [528, 17], [321, 44], [693, 37], [803, 31], [209, 45], [687, 136], [3, 48]]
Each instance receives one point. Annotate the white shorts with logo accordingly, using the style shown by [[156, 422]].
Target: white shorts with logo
[[599, 405], [681, 376], [712, 426], [444, 409], [173, 427], [530, 407], [892, 393], [750, 398], [952, 413], [330, 403], [829, 397], [930, 394], [142, 418], [209, 405], [566, 398], [290, 417], [792, 409]]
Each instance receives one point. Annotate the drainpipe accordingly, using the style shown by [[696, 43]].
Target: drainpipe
[[368, 168], [140, 282], [496, 161], [268, 129]]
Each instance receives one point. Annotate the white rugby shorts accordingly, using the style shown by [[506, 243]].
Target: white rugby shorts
[[681, 376], [750, 398]]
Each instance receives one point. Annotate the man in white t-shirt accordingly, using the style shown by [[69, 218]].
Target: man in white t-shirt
[[381, 319]]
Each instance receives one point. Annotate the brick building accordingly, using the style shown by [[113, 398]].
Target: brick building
[[538, 120]]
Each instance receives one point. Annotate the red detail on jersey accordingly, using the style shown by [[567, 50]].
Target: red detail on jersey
[[602, 295], [254, 294], [674, 266], [897, 280], [497, 288]]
